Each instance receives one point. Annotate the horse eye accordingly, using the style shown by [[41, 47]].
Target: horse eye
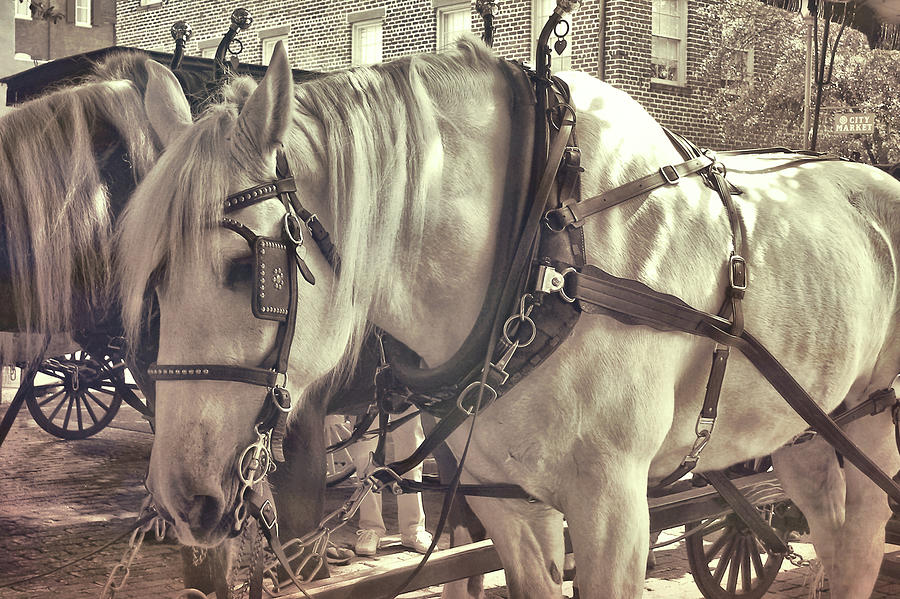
[[239, 271]]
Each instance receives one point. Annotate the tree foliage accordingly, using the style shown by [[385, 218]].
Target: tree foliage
[[765, 107]]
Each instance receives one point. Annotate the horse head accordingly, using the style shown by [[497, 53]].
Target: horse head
[[223, 332]]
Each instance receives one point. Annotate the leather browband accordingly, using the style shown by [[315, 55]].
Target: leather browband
[[264, 377], [251, 196]]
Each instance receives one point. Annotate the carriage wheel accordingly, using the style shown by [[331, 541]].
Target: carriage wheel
[[728, 561], [338, 464], [81, 397]]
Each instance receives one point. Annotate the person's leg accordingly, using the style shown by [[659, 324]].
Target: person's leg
[[410, 511], [371, 523]]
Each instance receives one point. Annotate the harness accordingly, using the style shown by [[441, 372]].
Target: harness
[[548, 285]]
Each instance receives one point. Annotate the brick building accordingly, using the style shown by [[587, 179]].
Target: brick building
[[653, 49], [57, 28]]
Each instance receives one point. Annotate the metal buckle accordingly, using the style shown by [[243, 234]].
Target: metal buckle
[[268, 517], [733, 263], [550, 280], [670, 178]]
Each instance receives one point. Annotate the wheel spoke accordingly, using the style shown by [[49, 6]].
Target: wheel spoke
[[44, 402], [735, 564], [65, 424], [58, 407], [100, 403], [757, 562], [746, 578], [717, 545], [722, 566], [90, 411], [78, 412]]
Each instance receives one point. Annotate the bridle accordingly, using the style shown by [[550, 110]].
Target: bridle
[[277, 262]]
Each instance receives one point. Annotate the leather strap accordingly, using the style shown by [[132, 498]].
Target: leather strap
[[262, 377], [263, 510], [747, 512], [633, 302], [498, 491], [572, 213]]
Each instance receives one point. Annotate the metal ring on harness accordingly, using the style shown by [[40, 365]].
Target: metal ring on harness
[[465, 392], [562, 290], [524, 320], [293, 229]]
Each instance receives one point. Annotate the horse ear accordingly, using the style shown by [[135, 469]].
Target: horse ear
[[267, 114], [165, 103]]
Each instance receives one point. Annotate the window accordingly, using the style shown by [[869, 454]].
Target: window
[[270, 38], [540, 12], [208, 48], [268, 47], [83, 13], [668, 53], [366, 42], [737, 66], [453, 21], [23, 9]]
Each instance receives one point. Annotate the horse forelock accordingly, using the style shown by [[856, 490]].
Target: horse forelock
[[170, 223], [58, 151]]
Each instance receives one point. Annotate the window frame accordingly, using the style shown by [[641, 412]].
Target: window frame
[[355, 49], [681, 81], [86, 6], [27, 8], [269, 38], [558, 62], [441, 13]]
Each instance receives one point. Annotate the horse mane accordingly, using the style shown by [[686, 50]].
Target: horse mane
[[64, 155], [369, 135]]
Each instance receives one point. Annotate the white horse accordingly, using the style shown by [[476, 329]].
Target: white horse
[[403, 163]]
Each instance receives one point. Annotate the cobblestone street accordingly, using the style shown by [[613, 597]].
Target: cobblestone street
[[65, 499]]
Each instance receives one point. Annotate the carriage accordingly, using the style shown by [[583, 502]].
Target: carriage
[[749, 566]]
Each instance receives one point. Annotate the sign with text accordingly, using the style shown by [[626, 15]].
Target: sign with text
[[854, 122]]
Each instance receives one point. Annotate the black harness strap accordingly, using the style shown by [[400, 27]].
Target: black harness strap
[[634, 303]]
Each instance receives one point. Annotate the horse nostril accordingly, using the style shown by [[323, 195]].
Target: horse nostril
[[203, 512]]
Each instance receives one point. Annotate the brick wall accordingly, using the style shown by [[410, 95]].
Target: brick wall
[[680, 108], [46, 40], [320, 39]]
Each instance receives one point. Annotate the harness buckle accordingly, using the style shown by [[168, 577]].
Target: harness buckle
[[737, 273], [550, 280], [268, 517], [669, 173]]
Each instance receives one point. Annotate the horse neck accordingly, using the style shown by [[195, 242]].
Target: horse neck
[[439, 266]]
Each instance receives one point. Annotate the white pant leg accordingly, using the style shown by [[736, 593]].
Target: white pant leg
[[370, 508], [410, 511]]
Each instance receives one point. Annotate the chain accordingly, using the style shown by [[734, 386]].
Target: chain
[[796, 559], [317, 540], [119, 575]]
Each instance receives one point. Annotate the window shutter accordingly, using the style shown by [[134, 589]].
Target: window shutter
[[96, 12], [70, 11]]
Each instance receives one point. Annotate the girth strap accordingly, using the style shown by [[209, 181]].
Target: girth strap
[[633, 302]]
